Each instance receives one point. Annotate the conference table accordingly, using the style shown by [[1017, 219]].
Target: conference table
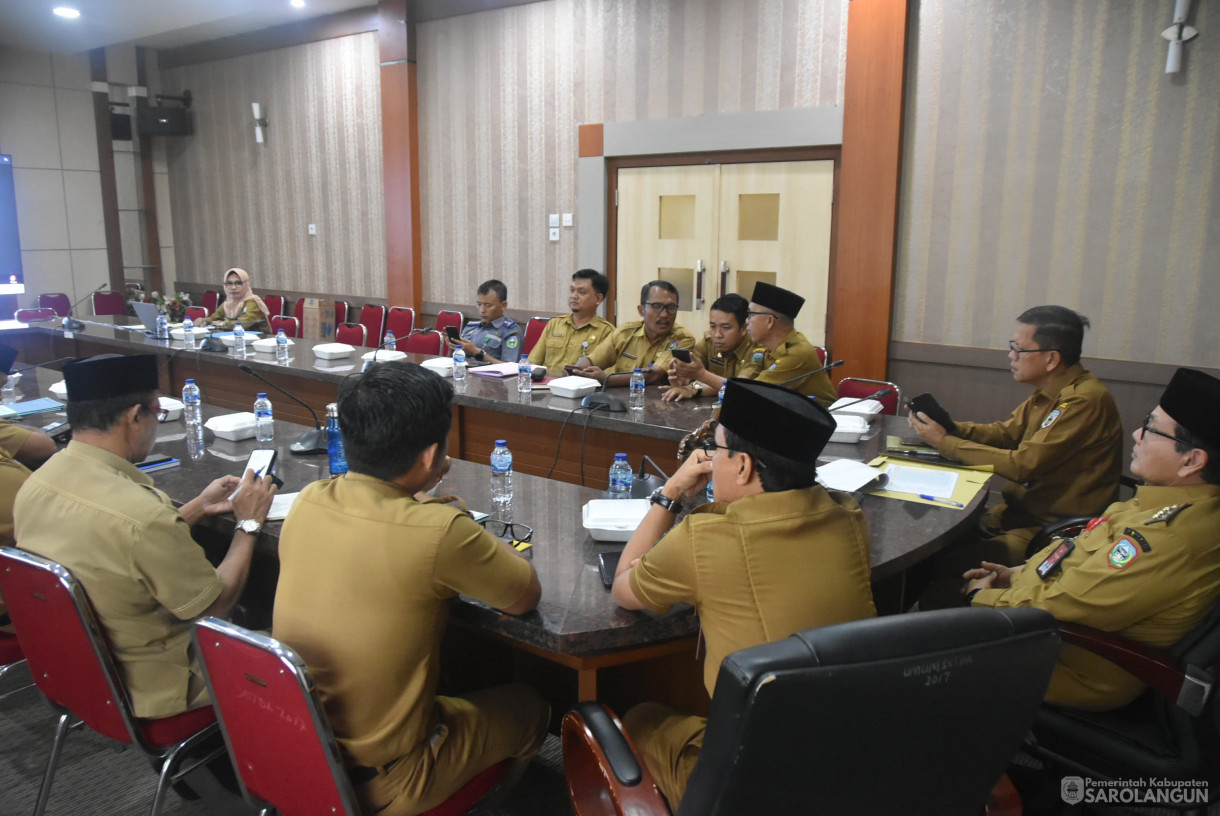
[[577, 625]]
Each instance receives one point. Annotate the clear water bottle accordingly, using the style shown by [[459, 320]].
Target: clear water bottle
[[389, 341], [162, 326], [192, 398], [620, 477], [459, 365], [334, 441], [188, 333], [264, 422], [723, 386], [501, 474], [239, 340], [195, 448], [635, 400], [281, 347], [525, 380]]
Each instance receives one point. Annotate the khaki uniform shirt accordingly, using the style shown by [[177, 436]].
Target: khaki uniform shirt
[[627, 348], [12, 476], [760, 568], [744, 361], [366, 576], [1149, 569], [1060, 450], [562, 343], [147, 579], [792, 358]]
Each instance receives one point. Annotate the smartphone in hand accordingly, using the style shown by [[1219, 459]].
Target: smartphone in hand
[[453, 334], [261, 462], [927, 405], [681, 354]]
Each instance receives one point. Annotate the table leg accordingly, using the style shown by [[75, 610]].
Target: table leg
[[586, 684]]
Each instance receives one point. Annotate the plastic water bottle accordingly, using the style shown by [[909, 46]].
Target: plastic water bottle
[[281, 347], [636, 399], [188, 333], [264, 422], [390, 341], [192, 411], [501, 474], [195, 449], [620, 477], [334, 441], [459, 365], [239, 340], [525, 382], [162, 326], [723, 386]]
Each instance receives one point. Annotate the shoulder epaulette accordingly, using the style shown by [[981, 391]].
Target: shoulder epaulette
[[1166, 514]]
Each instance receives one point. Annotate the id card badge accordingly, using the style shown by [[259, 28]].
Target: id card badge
[[1047, 567]]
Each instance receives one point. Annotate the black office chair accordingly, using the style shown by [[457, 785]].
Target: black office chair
[[912, 713]]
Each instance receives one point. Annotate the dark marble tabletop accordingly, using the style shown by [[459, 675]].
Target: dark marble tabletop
[[576, 615]]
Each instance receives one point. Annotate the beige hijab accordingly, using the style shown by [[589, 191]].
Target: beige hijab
[[235, 302]]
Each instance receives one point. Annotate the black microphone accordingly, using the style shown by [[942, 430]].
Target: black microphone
[[601, 398], [309, 442], [89, 295], [799, 377], [884, 392], [643, 484], [40, 365]]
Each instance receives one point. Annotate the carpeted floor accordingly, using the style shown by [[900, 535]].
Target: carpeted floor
[[95, 779]]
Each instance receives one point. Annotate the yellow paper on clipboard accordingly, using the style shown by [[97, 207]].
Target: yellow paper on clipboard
[[970, 480]]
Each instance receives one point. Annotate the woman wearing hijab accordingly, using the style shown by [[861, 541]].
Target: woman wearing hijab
[[240, 305]]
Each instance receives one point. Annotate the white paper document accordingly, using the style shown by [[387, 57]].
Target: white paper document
[[921, 481], [848, 475]]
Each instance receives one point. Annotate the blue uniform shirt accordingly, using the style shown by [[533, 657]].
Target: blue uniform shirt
[[501, 338]]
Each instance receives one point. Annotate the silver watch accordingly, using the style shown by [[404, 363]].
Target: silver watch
[[250, 526]]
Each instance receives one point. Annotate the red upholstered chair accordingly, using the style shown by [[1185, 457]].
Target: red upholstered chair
[[400, 320], [298, 309], [196, 313], [449, 318], [426, 342], [858, 388], [210, 300], [61, 303], [275, 304], [276, 729], [533, 330], [72, 666], [372, 317], [109, 303], [340, 312], [290, 325], [11, 657], [34, 315], [354, 334], [822, 354]]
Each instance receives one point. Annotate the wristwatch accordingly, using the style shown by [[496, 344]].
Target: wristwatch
[[698, 386], [665, 502], [250, 526]]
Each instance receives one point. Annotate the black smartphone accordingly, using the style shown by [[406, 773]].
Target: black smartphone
[[927, 405], [453, 333], [681, 354], [607, 563]]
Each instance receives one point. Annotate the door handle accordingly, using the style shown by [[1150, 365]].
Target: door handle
[[699, 270], [724, 277]]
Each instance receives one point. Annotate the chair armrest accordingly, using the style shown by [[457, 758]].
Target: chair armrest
[[1186, 688], [604, 770], [1066, 528]]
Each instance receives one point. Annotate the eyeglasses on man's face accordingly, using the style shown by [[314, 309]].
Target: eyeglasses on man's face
[[1015, 349], [710, 446], [758, 314], [658, 307], [1146, 429]]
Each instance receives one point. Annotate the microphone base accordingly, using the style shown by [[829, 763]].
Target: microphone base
[[612, 403], [309, 442]]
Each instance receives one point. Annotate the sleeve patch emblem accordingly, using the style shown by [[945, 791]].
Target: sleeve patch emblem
[[513, 342], [1051, 417], [1123, 553], [757, 359]]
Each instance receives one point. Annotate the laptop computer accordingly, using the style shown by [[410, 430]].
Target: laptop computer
[[147, 312]]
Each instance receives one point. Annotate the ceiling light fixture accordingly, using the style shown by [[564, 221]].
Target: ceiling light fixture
[[298, 3], [65, 11]]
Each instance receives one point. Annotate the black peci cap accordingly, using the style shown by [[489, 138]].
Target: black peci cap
[[1192, 399], [776, 419], [780, 300], [110, 375]]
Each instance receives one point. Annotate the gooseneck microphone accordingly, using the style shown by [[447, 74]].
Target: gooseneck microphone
[[800, 377], [43, 365], [884, 392], [601, 398], [309, 442]]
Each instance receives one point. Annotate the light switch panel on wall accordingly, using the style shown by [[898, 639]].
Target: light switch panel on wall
[[313, 229], [554, 233], [554, 219], [567, 219]]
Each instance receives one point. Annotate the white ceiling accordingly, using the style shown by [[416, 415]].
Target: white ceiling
[[154, 23]]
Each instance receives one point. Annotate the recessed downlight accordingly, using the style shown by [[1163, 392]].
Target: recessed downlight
[[66, 11], [298, 3]]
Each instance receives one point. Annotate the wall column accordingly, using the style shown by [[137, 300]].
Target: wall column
[[105, 161], [400, 153]]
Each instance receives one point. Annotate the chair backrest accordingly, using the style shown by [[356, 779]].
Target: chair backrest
[[794, 721], [66, 649], [354, 334], [273, 723], [61, 303], [857, 387], [446, 317], [210, 300], [372, 317], [822, 354], [275, 304], [290, 325], [400, 320], [426, 342], [340, 312], [109, 303], [196, 312], [10, 649], [298, 309], [34, 315], [533, 330]]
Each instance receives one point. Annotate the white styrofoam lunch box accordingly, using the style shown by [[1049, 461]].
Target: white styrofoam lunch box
[[58, 390], [179, 334], [573, 387], [849, 428], [867, 408], [613, 519], [440, 365], [384, 355], [267, 344], [333, 351], [174, 406], [234, 427], [229, 340]]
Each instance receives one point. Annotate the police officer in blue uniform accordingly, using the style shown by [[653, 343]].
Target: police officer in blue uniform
[[495, 338]]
